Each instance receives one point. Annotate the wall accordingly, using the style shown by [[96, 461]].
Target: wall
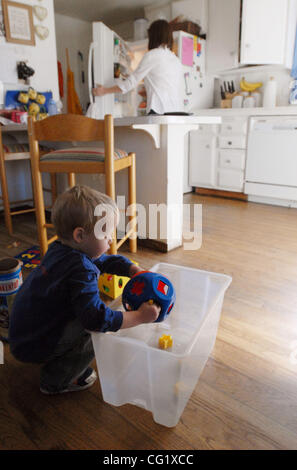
[[196, 10], [42, 57], [260, 74], [76, 35], [125, 30]]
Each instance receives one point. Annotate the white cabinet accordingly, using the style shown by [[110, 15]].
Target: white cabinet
[[230, 180], [223, 35], [265, 30], [218, 155], [232, 151], [203, 159], [266, 25]]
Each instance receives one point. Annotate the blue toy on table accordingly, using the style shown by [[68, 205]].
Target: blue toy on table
[[11, 99], [147, 286]]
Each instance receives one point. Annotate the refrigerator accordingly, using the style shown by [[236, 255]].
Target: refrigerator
[[109, 58]]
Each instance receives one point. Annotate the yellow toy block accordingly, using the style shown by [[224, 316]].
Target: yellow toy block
[[112, 285], [165, 341]]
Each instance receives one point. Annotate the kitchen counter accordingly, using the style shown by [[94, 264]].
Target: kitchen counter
[[159, 144], [156, 119], [277, 111]]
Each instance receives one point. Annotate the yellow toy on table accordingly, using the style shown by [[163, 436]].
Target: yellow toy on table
[[112, 285]]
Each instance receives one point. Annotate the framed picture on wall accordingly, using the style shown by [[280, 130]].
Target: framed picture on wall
[[18, 21]]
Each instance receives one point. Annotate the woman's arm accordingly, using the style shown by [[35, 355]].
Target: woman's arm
[[101, 90], [123, 86]]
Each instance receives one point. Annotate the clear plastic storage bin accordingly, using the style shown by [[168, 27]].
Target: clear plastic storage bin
[[132, 368]]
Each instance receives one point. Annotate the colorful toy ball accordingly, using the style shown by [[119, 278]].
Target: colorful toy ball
[[147, 286]]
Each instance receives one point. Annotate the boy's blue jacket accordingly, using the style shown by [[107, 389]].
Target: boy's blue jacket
[[63, 287]]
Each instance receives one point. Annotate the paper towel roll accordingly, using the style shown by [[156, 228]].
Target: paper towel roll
[[269, 98]]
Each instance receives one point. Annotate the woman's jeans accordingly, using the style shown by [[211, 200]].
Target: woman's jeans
[[72, 356]]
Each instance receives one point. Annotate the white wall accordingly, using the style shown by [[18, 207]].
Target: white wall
[[281, 75], [194, 10], [125, 30], [76, 35], [42, 57]]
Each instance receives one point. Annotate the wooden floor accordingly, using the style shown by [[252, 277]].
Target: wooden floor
[[246, 397]]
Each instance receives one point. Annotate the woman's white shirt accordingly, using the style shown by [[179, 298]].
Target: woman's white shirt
[[162, 73]]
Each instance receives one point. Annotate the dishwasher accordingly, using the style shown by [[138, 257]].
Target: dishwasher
[[271, 164]]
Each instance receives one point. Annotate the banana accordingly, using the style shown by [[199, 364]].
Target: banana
[[250, 87]]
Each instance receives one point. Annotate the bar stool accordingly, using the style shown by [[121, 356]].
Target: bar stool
[[9, 153], [107, 161]]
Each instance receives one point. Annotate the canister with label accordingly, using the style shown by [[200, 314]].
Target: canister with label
[[10, 282]]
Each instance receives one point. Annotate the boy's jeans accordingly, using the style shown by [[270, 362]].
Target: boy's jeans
[[72, 355]]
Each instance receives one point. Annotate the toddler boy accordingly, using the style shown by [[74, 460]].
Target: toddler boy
[[59, 302]]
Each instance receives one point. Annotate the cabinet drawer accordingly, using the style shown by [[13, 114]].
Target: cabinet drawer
[[234, 159], [238, 126], [232, 141], [230, 179], [208, 129]]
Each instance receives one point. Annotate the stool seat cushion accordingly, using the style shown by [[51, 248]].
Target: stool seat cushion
[[81, 154], [16, 148]]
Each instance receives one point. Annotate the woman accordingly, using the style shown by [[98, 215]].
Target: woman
[[161, 71]]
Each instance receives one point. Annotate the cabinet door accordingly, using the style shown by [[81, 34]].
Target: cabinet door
[[203, 160], [223, 35], [264, 31]]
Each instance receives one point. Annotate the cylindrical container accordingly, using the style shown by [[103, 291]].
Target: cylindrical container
[[237, 101], [249, 102], [52, 107], [269, 98], [10, 282], [140, 28], [258, 98]]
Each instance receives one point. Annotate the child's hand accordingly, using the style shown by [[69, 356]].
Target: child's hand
[[146, 313], [149, 312]]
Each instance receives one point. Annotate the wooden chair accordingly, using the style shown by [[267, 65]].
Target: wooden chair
[[72, 127], [9, 155]]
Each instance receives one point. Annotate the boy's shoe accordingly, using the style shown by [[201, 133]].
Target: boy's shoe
[[85, 381]]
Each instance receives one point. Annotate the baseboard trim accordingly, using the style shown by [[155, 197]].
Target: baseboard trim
[[220, 193]]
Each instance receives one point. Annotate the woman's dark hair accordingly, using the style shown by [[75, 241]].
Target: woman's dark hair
[[159, 33]]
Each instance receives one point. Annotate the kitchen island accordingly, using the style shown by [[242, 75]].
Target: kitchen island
[[159, 144]]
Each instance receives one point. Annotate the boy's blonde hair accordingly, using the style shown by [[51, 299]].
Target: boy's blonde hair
[[75, 208]]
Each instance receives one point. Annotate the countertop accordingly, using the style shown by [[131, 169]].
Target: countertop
[[277, 111], [145, 120]]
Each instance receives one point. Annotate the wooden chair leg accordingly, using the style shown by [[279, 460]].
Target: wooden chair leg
[[132, 201], [110, 189], [40, 212], [5, 197], [4, 188], [71, 179]]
